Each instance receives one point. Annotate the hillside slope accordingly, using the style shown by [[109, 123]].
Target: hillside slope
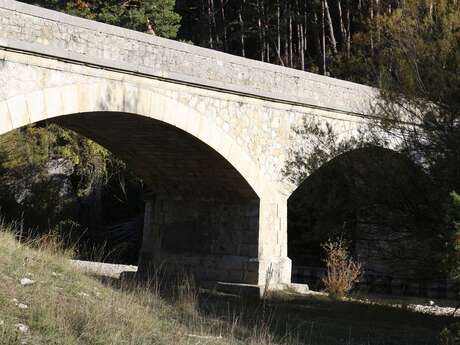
[[45, 301]]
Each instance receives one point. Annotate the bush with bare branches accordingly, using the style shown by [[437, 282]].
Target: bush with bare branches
[[342, 270]]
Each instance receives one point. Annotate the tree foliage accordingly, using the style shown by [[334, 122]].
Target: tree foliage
[[153, 16], [453, 249], [33, 162], [420, 68], [52, 179], [419, 64]]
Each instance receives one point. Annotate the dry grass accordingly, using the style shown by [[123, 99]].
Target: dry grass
[[66, 307]]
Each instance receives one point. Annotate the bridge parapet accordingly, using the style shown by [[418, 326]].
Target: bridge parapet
[[41, 31]]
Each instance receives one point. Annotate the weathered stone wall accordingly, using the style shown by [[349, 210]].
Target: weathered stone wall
[[157, 135], [137, 52], [214, 239], [264, 129], [209, 227]]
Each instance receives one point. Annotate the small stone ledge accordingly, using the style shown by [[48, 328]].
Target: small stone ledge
[[244, 290], [258, 291]]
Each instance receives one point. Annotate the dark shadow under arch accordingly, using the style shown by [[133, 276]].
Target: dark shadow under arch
[[170, 160], [379, 200]]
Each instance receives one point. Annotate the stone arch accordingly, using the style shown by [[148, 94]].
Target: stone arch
[[85, 102], [120, 97], [369, 192]]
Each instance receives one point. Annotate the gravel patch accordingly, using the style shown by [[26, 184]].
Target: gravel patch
[[434, 309]]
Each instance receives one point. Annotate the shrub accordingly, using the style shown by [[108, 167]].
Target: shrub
[[451, 335], [342, 270]]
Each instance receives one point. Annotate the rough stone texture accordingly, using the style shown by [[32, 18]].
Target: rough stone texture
[[263, 129], [210, 133], [169, 59], [212, 238], [102, 268]]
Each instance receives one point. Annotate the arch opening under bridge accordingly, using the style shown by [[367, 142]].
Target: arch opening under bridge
[[204, 213], [382, 204]]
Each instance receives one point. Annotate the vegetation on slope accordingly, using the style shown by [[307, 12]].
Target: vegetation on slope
[[55, 180], [66, 307]]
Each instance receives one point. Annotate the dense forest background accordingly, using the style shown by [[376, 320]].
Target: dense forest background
[[329, 37], [53, 179], [339, 38]]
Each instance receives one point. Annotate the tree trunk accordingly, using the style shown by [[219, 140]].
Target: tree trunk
[[291, 60], [286, 38], [267, 56], [224, 24], [278, 29], [211, 40], [264, 32], [348, 30], [305, 34], [377, 4], [343, 31], [150, 30], [259, 24], [213, 22], [323, 37], [242, 38], [371, 9], [301, 47], [331, 27]]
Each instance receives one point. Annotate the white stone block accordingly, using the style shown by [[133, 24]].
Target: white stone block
[[18, 111], [5, 119], [53, 102], [36, 105], [157, 109], [143, 102], [70, 100]]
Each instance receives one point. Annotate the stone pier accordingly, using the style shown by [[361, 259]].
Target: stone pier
[[216, 240]]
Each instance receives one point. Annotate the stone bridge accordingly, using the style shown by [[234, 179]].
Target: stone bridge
[[208, 132]]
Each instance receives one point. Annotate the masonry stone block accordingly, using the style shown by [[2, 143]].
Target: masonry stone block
[[69, 97], [144, 101], [19, 111], [5, 119]]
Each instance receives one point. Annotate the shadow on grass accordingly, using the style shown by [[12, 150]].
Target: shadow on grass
[[311, 320], [319, 320]]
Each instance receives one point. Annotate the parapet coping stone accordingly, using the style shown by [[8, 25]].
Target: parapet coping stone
[[39, 49]]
